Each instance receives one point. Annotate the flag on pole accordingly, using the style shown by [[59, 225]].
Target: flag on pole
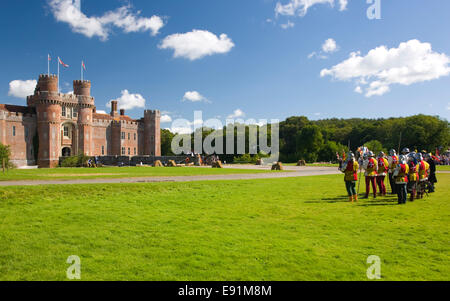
[[64, 65], [49, 58], [83, 65]]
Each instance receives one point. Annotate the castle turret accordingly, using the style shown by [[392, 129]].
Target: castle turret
[[152, 133], [47, 83], [82, 87], [48, 108]]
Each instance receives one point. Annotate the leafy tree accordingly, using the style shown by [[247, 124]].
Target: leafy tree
[[166, 142], [5, 154]]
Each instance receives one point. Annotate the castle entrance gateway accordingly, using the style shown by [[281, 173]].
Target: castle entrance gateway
[[68, 138]]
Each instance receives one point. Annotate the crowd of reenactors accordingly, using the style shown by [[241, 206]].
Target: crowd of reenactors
[[410, 172]]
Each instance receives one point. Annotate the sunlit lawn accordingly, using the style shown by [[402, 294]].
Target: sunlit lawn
[[274, 229]]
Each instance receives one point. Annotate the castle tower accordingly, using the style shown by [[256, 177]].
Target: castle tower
[[48, 108], [82, 89], [152, 133]]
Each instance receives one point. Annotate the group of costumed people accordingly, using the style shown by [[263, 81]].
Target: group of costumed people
[[410, 172]]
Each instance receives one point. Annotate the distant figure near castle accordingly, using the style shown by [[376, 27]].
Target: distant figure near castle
[[55, 125]]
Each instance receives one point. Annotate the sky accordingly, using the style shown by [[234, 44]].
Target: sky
[[252, 59]]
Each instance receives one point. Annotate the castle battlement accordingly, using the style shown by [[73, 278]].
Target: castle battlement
[[47, 76]]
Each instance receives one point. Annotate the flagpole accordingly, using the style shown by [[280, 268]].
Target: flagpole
[[48, 65], [81, 70], [58, 74]]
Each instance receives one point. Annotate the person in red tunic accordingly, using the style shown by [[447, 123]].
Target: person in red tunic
[[383, 167], [370, 165]]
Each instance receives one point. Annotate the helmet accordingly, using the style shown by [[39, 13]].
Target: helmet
[[392, 152], [419, 157], [405, 151], [365, 156], [371, 154], [402, 159], [350, 156], [381, 155]]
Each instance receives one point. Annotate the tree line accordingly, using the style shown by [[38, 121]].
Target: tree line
[[319, 140]]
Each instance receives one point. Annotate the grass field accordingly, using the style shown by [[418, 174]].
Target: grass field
[[276, 229], [116, 172], [443, 167]]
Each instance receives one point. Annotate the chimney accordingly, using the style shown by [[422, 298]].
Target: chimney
[[122, 112], [114, 108]]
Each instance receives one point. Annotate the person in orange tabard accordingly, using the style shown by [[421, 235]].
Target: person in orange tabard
[[370, 165], [401, 179], [383, 167], [350, 168], [393, 161]]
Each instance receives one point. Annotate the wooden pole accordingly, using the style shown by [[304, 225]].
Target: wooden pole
[[3, 164]]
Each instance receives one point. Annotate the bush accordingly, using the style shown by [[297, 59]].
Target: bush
[[75, 161], [5, 153], [247, 158]]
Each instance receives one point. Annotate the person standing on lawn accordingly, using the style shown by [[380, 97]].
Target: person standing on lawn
[[393, 161], [350, 169], [413, 176], [432, 178], [370, 165], [424, 169], [401, 179], [383, 167]]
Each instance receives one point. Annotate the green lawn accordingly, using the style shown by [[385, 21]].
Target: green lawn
[[443, 167], [277, 229], [115, 172]]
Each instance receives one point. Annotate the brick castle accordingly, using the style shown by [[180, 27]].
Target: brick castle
[[55, 125]]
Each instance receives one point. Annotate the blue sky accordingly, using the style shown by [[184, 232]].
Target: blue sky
[[268, 65]]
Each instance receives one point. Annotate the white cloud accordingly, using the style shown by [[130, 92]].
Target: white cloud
[[448, 106], [22, 88], [289, 24], [329, 46], [194, 96], [412, 62], [300, 7], [101, 112], [359, 90], [129, 101], [197, 44], [166, 119], [236, 114], [69, 11]]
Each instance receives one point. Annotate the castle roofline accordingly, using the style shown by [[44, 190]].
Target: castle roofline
[[15, 109]]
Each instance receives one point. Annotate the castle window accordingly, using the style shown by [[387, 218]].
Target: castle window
[[129, 152], [123, 151], [129, 136], [14, 131], [75, 113], [103, 150], [135, 151], [134, 136], [26, 132], [66, 131], [123, 135], [63, 112]]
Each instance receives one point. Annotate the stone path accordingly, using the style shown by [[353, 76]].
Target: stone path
[[293, 172]]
